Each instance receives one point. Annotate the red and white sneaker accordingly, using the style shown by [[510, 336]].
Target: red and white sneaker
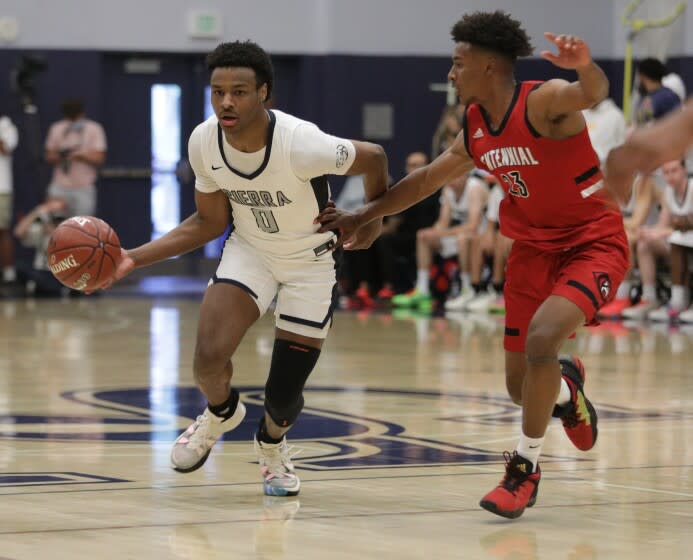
[[364, 298], [385, 294], [518, 489], [664, 314], [579, 418], [640, 310]]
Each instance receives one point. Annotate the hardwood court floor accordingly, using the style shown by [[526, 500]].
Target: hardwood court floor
[[402, 432]]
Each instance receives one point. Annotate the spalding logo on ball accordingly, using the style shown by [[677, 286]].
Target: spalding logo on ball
[[83, 253]]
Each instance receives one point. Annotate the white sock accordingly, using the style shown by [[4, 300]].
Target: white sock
[[564, 394], [422, 281], [649, 293], [9, 274], [466, 281], [623, 290], [530, 449], [679, 297]]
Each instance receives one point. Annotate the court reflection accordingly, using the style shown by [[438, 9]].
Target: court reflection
[[270, 531], [164, 372]]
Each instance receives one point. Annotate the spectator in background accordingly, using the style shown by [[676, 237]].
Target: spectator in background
[[363, 274], [76, 148], [672, 81], [398, 237], [495, 244], [675, 83], [606, 126], [448, 129], [641, 211], [669, 238], [34, 231], [372, 275], [657, 100], [8, 142], [460, 221]]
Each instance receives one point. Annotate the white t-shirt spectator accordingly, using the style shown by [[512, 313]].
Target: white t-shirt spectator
[[606, 126], [8, 136]]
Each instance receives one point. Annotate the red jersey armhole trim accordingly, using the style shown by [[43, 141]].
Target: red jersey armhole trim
[[465, 132], [532, 130]]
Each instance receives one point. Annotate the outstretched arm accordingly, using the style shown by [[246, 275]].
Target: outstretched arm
[[414, 187], [370, 162], [649, 147], [207, 223]]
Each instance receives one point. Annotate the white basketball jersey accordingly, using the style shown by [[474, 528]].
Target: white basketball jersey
[[459, 205], [680, 208], [273, 209]]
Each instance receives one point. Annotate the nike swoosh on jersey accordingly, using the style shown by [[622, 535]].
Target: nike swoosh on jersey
[[216, 168]]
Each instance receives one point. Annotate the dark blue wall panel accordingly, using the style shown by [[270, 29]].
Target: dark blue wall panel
[[328, 90]]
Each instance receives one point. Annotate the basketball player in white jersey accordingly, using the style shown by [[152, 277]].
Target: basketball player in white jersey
[[671, 237], [268, 169]]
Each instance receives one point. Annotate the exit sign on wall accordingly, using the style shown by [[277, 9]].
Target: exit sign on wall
[[204, 24]]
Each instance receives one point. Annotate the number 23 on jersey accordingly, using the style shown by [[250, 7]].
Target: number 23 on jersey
[[516, 186]]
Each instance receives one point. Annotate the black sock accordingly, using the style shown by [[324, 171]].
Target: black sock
[[478, 287], [263, 436], [226, 409], [498, 287]]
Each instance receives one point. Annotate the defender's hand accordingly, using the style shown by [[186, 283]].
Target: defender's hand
[[341, 221], [573, 52], [364, 236]]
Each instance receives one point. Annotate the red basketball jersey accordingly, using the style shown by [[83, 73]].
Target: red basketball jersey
[[553, 186]]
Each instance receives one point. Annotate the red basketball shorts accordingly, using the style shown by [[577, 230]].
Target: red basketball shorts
[[588, 275]]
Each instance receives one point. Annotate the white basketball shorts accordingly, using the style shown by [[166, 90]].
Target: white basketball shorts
[[306, 289]]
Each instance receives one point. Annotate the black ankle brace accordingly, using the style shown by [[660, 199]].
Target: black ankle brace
[[226, 409], [262, 434]]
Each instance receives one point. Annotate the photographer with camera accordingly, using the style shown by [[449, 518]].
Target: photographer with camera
[[34, 231], [75, 147]]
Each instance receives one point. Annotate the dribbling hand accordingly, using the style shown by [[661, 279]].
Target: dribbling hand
[[125, 267], [573, 52]]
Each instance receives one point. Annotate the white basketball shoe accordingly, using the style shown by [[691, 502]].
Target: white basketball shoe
[[192, 447], [278, 476]]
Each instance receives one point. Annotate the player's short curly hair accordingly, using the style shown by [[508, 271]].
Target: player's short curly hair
[[244, 54], [495, 31]]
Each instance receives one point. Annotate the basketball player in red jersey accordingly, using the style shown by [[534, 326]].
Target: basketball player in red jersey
[[570, 248]]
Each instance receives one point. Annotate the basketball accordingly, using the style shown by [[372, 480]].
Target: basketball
[[83, 252]]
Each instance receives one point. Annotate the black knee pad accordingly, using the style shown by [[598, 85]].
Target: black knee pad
[[292, 363]]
